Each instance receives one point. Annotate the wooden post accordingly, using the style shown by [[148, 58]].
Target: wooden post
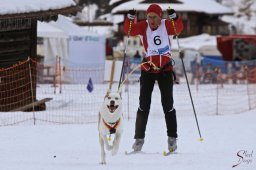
[[60, 75], [32, 89], [112, 74]]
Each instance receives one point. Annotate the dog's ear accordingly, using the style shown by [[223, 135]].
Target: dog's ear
[[120, 95], [107, 94]]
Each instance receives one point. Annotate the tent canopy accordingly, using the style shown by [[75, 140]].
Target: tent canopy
[[69, 27], [76, 47], [85, 47], [46, 30]]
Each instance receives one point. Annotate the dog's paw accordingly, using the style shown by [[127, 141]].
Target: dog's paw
[[103, 162], [114, 152], [109, 147]]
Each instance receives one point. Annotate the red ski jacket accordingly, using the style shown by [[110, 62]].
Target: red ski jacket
[[140, 28]]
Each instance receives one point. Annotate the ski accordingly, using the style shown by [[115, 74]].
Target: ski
[[165, 153], [131, 152], [169, 153], [139, 152]]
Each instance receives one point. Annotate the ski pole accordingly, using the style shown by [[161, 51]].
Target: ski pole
[[184, 69], [125, 46]]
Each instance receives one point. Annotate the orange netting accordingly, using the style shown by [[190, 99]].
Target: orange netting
[[17, 86]]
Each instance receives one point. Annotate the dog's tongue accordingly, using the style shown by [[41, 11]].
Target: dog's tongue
[[112, 108]]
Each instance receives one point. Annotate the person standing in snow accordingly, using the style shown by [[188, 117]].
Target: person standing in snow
[[154, 33]]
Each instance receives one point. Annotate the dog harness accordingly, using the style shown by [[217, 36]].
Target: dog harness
[[111, 126]]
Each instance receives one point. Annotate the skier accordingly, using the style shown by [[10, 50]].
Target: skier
[[154, 33]]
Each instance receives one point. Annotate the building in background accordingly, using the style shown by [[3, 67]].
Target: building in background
[[18, 41], [199, 16]]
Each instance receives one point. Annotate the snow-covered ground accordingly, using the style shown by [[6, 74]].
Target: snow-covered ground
[[228, 140]]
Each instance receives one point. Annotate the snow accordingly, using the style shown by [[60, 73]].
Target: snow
[[244, 16], [25, 6], [111, 2], [243, 24], [196, 42], [205, 6], [209, 7], [65, 24], [88, 13], [106, 30], [116, 19], [76, 147]]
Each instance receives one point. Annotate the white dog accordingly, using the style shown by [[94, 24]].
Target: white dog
[[110, 122]]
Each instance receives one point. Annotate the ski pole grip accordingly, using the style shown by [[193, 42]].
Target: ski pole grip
[[173, 24], [130, 28]]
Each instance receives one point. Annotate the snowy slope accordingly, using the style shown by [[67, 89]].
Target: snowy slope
[[76, 146]]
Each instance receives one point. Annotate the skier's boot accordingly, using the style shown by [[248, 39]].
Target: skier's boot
[[137, 146], [172, 144]]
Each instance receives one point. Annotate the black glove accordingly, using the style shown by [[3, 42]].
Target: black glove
[[182, 54], [131, 14], [144, 60], [172, 14]]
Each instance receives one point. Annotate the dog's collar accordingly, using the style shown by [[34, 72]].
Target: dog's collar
[[111, 126]]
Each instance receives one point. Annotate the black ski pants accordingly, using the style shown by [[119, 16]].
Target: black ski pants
[[165, 82]]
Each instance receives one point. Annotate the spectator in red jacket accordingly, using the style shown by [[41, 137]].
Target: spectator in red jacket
[[155, 35]]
